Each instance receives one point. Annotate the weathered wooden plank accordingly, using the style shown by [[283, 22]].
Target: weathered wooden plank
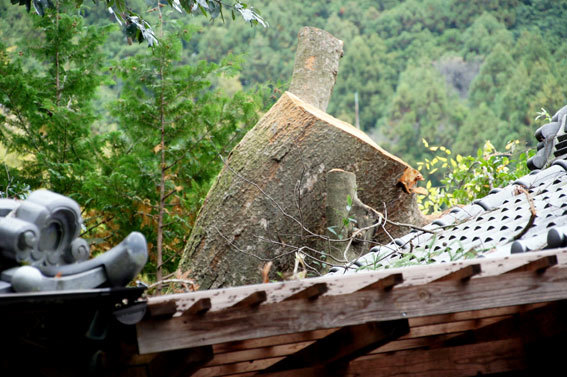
[[343, 345], [351, 309], [257, 353], [474, 314], [343, 284], [470, 360], [385, 283], [309, 293], [309, 336], [463, 274], [254, 299], [544, 322], [406, 341], [538, 265], [247, 366], [451, 327], [178, 362]]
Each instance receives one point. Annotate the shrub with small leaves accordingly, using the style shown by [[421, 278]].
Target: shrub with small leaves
[[466, 178]]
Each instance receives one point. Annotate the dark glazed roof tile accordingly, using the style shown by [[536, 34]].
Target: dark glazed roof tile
[[499, 224]]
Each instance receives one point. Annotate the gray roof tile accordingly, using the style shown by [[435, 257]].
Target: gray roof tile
[[489, 227]]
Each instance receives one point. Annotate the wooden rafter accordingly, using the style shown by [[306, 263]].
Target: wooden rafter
[[343, 345], [455, 319]]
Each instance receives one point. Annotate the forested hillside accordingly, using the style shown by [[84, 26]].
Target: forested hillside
[[82, 112], [451, 71]]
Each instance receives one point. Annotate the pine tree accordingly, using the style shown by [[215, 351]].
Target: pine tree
[[174, 128], [48, 104]]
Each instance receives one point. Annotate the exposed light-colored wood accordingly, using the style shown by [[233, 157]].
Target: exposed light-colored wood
[[358, 307], [476, 314], [463, 274]]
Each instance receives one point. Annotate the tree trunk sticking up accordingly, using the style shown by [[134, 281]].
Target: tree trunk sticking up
[[316, 66], [268, 202]]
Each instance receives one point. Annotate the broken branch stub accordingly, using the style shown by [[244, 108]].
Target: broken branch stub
[[347, 216], [316, 66]]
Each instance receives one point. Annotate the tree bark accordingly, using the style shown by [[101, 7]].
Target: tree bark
[[271, 193], [347, 217], [269, 200], [316, 66]]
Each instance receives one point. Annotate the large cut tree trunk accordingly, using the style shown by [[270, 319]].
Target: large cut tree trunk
[[270, 197]]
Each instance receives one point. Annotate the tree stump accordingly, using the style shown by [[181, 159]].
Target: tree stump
[[269, 200]]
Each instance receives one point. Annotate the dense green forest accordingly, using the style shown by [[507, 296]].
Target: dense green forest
[[134, 133], [454, 72]]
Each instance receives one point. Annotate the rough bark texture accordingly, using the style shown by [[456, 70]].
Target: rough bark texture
[[276, 172], [316, 66], [340, 186]]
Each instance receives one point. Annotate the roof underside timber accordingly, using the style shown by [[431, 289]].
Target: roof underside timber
[[484, 316]]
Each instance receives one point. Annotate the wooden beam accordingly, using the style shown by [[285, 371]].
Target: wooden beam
[[464, 274], [254, 299], [200, 307], [179, 363], [309, 293], [420, 336], [272, 341], [539, 265], [339, 284], [415, 323], [163, 309], [352, 309], [237, 368], [471, 360], [385, 284], [545, 322], [343, 345]]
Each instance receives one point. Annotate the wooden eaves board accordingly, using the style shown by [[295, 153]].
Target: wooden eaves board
[[418, 326]]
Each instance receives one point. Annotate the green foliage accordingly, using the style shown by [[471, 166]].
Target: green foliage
[[48, 107], [146, 169], [455, 72], [162, 98], [466, 178], [138, 29]]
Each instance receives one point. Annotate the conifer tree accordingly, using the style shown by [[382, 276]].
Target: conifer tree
[[174, 126]]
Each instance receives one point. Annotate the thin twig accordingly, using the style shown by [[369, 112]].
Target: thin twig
[[533, 214], [179, 281]]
